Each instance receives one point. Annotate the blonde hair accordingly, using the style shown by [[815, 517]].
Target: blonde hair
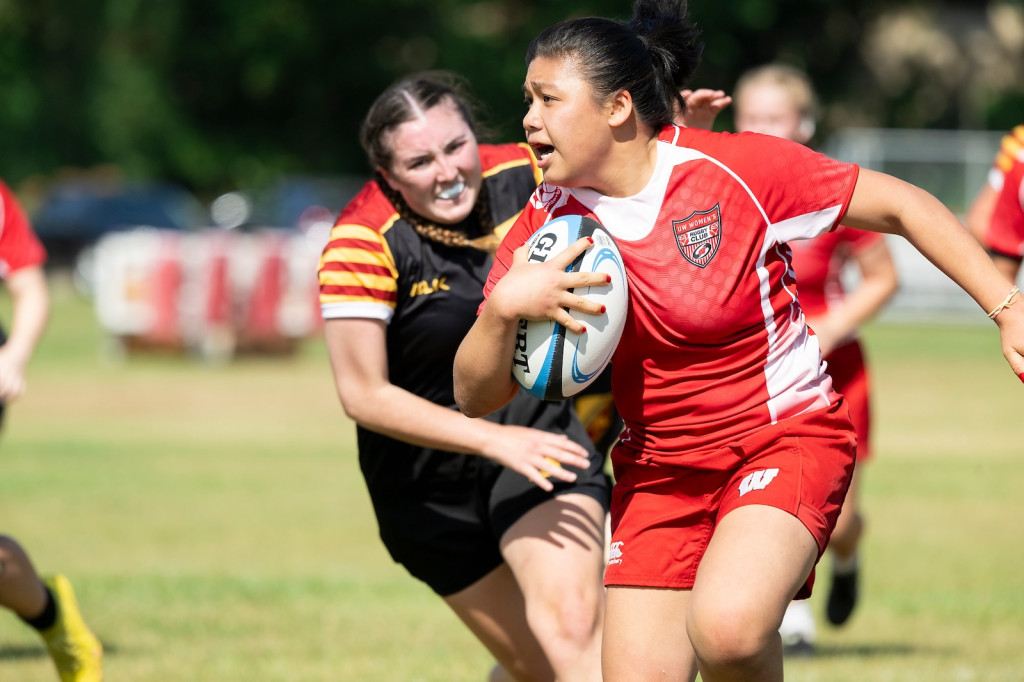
[[790, 79]]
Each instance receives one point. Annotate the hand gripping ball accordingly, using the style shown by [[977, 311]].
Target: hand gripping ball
[[549, 361]]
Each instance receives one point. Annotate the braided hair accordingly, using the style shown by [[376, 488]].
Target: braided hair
[[445, 235]]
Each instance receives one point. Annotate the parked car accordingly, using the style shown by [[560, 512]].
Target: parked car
[[73, 215]]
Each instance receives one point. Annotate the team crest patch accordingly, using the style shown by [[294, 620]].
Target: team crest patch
[[547, 198], [699, 235]]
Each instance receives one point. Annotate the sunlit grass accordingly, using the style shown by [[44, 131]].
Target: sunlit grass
[[215, 525]]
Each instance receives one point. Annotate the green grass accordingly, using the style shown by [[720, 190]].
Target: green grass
[[214, 523]]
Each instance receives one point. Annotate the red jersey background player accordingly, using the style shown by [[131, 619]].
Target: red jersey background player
[[779, 100], [48, 604]]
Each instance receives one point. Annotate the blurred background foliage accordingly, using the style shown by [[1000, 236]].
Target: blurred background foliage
[[219, 94]]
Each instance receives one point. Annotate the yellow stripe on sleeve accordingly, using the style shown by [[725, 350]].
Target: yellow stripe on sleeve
[[344, 278]]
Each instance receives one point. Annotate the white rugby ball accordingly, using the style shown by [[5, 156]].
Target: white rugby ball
[[549, 361]]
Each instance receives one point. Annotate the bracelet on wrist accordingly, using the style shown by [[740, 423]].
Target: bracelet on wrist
[[1007, 302]]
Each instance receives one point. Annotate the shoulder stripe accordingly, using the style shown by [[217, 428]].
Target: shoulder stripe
[[1010, 149], [385, 285], [530, 159], [357, 266], [352, 266], [357, 232], [494, 170]]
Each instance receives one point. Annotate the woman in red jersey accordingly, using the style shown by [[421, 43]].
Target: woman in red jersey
[[779, 100], [737, 452], [47, 604]]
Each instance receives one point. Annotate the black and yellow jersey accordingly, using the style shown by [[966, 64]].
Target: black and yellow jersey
[[377, 266]]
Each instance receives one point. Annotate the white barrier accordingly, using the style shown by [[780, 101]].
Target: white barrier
[[215, 293]]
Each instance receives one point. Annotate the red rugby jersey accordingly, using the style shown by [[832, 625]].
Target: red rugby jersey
[[715, 343], [19, 246]]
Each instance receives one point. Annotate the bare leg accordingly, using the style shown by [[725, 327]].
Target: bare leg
[[756, 561], [21, 590], [557, 554], [842, 596], [494, 610], [540, 613], [645, 636]]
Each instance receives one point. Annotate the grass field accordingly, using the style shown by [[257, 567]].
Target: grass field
[[215, 526]]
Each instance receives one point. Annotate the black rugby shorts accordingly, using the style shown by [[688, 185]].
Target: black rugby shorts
[[447, 534]]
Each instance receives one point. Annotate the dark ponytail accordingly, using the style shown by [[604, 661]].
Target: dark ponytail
[[652, 56]]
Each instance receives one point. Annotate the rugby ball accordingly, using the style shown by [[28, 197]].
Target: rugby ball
[[549, 361]]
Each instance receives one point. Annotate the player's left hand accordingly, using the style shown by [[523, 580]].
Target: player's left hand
[[536, 454], [12, 377]]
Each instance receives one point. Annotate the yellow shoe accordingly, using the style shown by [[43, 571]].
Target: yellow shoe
[[76, 652]]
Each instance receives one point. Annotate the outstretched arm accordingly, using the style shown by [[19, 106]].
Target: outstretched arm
[[886, 204], [358, 353], [31, 308]]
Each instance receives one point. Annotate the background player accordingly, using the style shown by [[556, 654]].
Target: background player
[[49, 604], [779, 100], [504, 519]]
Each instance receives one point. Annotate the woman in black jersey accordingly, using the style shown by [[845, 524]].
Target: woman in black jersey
[[503, 518]]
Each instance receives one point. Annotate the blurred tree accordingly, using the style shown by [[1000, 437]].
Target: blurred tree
[[218, 94]]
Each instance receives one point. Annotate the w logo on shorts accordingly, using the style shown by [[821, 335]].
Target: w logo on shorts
[[757, 480]]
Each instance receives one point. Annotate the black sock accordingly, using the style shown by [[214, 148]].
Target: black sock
[[49, 615]]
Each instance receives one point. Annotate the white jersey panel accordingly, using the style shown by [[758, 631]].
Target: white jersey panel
[[371, 311]]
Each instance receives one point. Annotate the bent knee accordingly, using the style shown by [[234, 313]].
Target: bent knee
[[733, 639], [572, 622]]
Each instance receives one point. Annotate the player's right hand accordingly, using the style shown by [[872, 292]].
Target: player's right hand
[[542, 291]]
